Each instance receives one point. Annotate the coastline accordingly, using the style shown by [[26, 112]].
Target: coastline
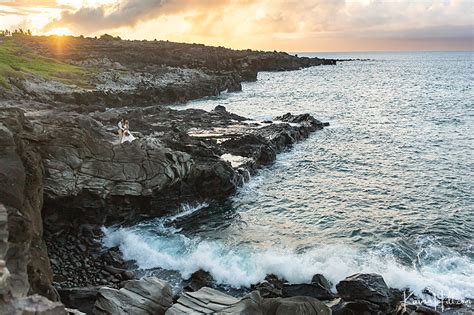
[[67, 142]]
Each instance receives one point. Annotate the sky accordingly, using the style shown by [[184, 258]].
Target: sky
[[286, 25]]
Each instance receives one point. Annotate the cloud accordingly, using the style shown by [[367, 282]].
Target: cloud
[[258, 21], [22, 4], [127, 13], [89, 19]]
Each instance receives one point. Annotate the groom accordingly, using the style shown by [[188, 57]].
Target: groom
[[121, 127]]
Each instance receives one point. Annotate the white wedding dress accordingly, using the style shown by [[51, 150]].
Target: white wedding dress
[[127, 137]]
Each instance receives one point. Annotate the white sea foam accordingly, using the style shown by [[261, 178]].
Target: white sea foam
[[240, 266]]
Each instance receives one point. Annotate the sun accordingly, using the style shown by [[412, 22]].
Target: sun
[[59, 31]]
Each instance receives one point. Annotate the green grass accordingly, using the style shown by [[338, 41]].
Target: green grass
[[16, 61]]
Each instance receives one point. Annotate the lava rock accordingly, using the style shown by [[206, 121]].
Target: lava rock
[[367, 287], [356, 307], [313, 290], [321, 280], [198, 280]]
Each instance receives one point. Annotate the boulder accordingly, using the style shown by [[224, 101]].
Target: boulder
[[145, 296], [367, 287], [198, 280], [321, 280]]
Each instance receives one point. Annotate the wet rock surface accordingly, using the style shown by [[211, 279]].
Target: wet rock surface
[[367, 287]]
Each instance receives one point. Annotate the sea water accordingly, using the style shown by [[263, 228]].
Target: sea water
[[387, 188]]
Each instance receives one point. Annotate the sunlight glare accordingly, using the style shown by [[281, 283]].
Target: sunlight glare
[[60, 31]]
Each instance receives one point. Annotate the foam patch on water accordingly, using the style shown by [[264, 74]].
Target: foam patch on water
[[241, 266], [235, 160]]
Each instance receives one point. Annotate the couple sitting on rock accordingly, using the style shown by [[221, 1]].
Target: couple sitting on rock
[[124, 131]]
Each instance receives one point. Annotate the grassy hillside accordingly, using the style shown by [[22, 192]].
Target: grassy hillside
[[16, 60]]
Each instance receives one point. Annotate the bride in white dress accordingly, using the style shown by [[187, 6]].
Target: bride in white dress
[[127, 135]]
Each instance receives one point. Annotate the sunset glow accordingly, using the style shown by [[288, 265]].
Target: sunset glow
[[59, 31], [306, 25]]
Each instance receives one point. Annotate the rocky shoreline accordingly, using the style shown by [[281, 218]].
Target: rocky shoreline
[[137, 73], [64, 174], [78, 157]]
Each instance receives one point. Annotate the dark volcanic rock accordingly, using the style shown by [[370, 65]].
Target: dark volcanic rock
[[321, 280], [356, 307], [271, 287], [198, 280], [268, 290], [313, 290], [367, 287], [319, 288]]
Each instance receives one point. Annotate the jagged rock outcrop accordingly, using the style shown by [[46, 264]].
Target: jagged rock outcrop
[[363, 293], [141, 297], [364, 286]]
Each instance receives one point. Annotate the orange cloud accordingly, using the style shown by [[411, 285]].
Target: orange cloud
[[272, 23]]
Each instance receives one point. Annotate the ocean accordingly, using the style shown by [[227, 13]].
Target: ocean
[[387, 188]]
